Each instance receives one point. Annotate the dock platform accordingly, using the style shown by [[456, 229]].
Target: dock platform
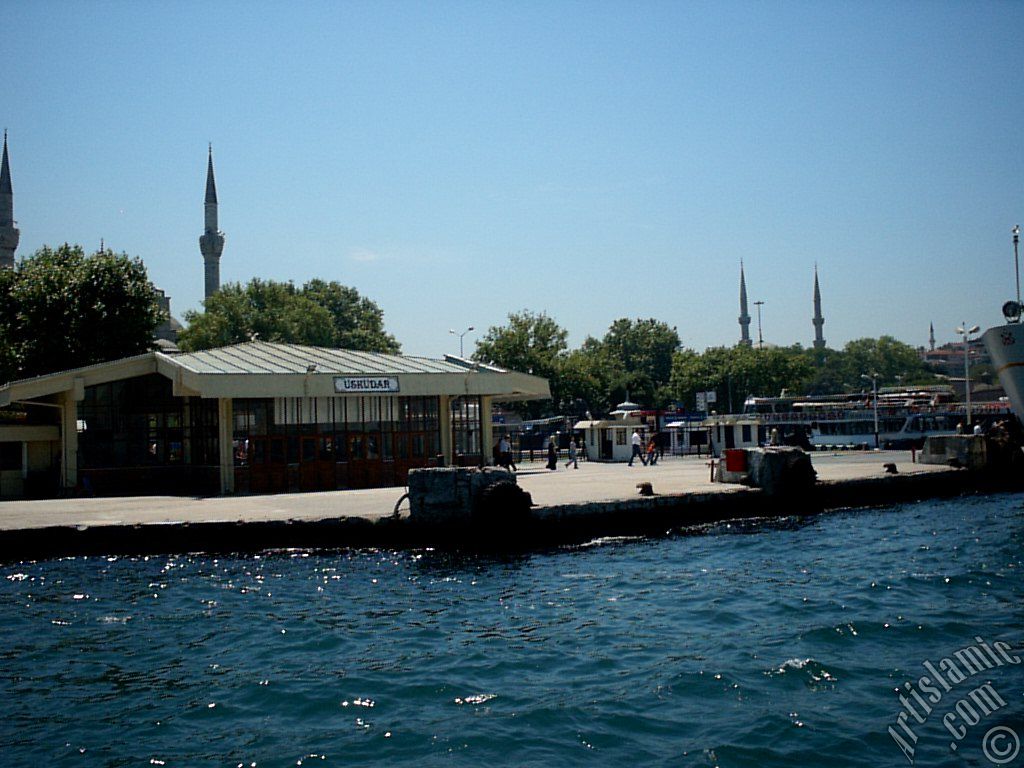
[[596, 499]]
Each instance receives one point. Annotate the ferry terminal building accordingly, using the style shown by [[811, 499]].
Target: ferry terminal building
[[249, 418]]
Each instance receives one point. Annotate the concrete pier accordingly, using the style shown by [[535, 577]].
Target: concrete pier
[[569, 505]]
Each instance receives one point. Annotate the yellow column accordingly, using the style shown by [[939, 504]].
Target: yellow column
[[69, 439], [445, 422], [225, 432], [486, 430]]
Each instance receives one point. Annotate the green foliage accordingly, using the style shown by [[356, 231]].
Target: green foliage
[[318, 314], [358, 322], [742, 371], [634, 358], [530, 343], [736, 372], [892, 360], [584, 382], [63, 309], [638, 358], [641, 360], [642, 347]]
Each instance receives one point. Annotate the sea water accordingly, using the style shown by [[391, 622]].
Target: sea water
[[765, 643]]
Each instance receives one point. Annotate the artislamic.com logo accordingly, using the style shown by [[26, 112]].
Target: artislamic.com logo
[[1000, 744]]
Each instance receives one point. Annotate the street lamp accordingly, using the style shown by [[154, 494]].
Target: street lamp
[[966, 332], [1016, 261], [760, 340], [873, 378], [460, 335]]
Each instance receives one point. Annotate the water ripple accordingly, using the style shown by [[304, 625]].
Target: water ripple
[[761, 643]]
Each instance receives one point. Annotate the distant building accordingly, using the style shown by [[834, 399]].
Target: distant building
[[948, 359], [166, 334], [211, 243], [744, 314], [819, 320], [9, 234]]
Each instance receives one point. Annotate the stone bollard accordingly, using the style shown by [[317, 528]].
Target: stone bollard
[[955, 451], [461, 495], [778, 471], [781, 471]]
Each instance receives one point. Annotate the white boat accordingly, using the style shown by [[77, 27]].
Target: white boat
[[1005, 345], [899, 429], [906, 416]]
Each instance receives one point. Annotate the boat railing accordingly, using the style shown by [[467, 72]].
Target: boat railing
[[861, 413]]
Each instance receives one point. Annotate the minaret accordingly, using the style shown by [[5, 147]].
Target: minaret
[[931, 336], [744, 315], [9, 234], [212, 241], [819, 321]]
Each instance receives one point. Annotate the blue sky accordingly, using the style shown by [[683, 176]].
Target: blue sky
[[457, 161]]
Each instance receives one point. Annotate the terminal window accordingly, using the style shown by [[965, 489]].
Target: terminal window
[[10, 456]]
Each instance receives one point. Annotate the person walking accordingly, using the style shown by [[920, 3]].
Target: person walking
[[552, 453], [505, 447], [638, 449], [652, 453], [572, 455]]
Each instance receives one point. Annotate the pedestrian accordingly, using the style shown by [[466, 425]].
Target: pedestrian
[[572, 454], [552, 453], [978, 431], [638, 450], [652, 453], [506, 453]]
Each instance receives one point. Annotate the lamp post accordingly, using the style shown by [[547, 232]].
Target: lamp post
[[760, 339], [1016, 261], [461, 336], [966, 332], [873, 378]]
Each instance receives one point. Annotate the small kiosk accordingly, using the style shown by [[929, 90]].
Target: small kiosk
[[610, 439]]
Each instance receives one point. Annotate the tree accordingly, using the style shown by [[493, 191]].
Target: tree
[[319, 314], [735, 373], [63, 309], [582, 384], [638, 354], [358, 322], [893, 361], [643, 347], [9, 346], [530, 343]]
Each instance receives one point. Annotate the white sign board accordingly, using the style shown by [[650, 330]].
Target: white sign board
[[365, 385], [702, 401], [712, 396]]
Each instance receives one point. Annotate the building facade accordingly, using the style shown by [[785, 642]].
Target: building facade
[[249, 418]]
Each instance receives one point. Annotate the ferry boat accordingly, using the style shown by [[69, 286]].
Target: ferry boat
[[906, 416], [1005, 345]]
